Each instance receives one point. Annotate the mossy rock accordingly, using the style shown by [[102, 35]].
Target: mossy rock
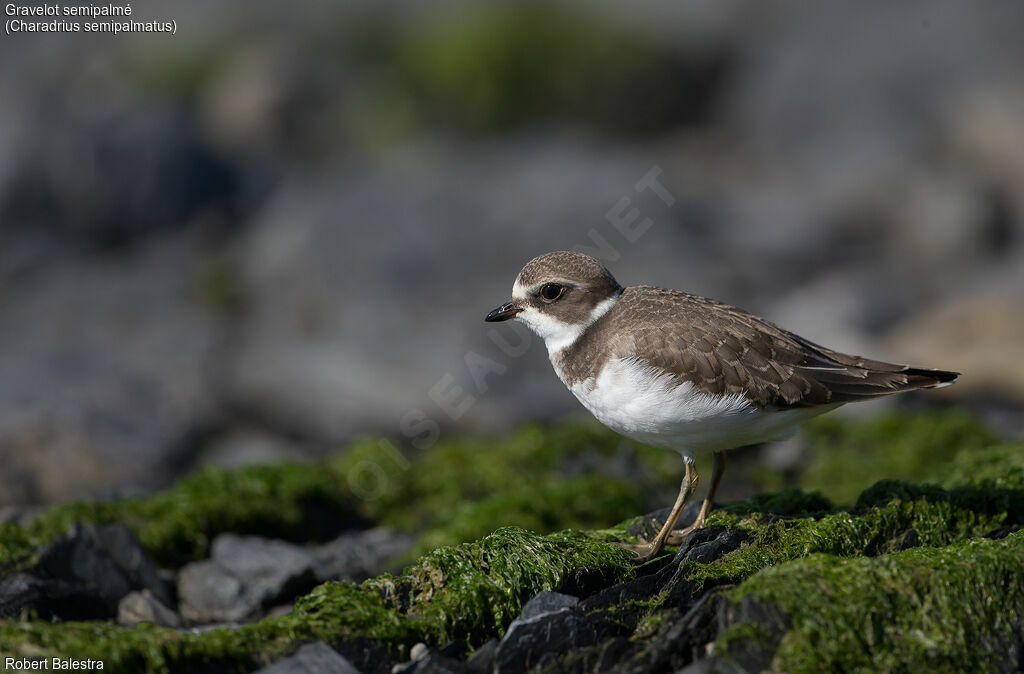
[[469, 592], [827, 572], [459, 490], [948, 609]]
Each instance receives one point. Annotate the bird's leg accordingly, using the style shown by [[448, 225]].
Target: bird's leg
[[717, 468], [686, 489]]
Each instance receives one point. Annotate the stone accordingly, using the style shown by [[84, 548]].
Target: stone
[[482, 659], [143, 607], [428, 660], [548, 602], [83, 575], [359, 555], [245, 576], [315, 658], [709, 544], [100, 394], [529, 642]]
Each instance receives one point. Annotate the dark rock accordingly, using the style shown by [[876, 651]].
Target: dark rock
[[83, 575], [245, 576], [753, 655], [315, 658], [911, 539], [530, 642], [710, 543], [547, 602], [107, 556], [682, 639], [139, 607], [49, 599], [363, 554], [140, 172], [482, 659], [710, 666]]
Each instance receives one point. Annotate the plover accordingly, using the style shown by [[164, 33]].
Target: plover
[[684, 372]]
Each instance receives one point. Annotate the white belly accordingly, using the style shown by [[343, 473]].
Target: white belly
[[650, 406]]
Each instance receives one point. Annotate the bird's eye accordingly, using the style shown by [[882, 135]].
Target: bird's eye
[[551, 291]]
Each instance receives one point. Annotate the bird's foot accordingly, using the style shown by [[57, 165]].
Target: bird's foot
[[644, 551], [678, 536]]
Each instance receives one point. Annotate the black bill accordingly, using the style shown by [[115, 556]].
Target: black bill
[[503, 313]]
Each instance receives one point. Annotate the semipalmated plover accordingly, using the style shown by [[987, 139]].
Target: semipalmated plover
[[687, 373]]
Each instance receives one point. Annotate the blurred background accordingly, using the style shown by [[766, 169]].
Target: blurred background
[[281, 227]]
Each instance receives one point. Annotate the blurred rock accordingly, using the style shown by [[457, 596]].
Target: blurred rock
[[364, 554], [315, 658], [140, 171], [82, 576], [245, 446], [245, 576], [108, 366], [143, 607], [980, 335]]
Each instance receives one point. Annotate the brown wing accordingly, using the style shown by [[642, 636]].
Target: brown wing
[[724, 350]]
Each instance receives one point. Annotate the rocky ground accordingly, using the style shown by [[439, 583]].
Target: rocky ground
[[298, 568]]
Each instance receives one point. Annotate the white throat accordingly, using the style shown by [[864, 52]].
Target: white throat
[[557, 334]]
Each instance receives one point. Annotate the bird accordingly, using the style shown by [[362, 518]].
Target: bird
[[687, 373]]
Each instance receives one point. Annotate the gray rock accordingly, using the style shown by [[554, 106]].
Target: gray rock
[[547, 602], [482, 659], [315, 658], [143, 607], [363, 554], [106, 371], [244, 577]]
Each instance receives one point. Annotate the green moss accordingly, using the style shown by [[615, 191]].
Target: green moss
[[458, 490], [548, 477], [997, 466], [574, 503], [216, 286], [742, 635], [487, 68], [543, 478], [290, 501], [784, 502], [882, 525], [944, 609], [469, 592], [848, 456], [476, 589]]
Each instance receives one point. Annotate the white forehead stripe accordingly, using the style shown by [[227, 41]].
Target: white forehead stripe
[[518, 291]]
